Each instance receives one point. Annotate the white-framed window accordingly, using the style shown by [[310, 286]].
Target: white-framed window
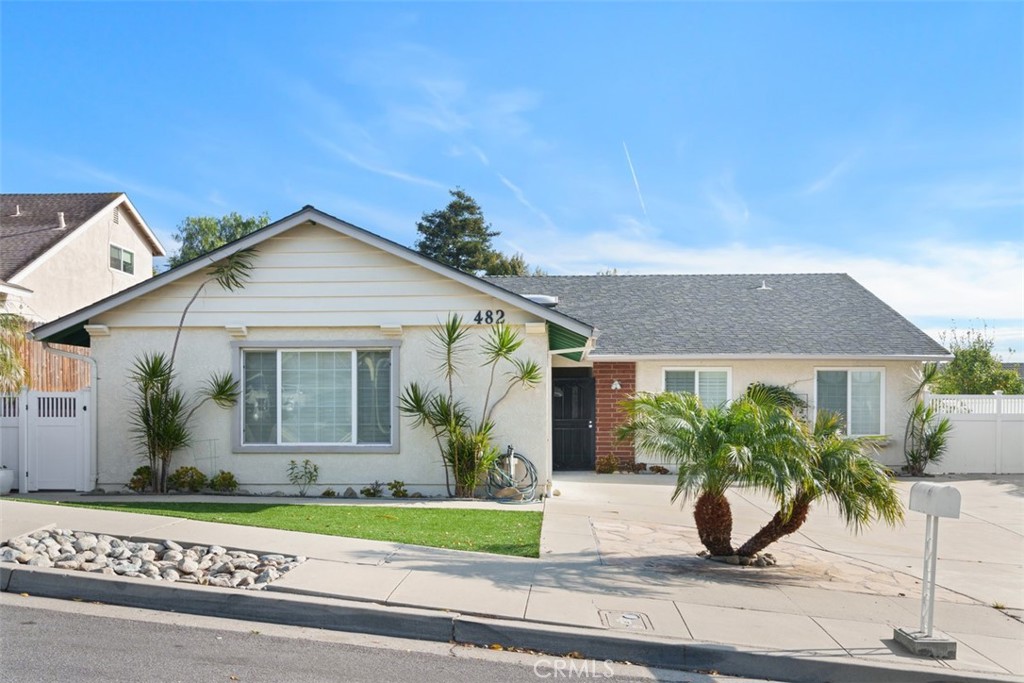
[[712, 385], [317, 398], [857, 394], [122, 259]]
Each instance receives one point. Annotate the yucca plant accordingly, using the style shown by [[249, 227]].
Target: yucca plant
[[464, 441], [926, 436], [162, 413]]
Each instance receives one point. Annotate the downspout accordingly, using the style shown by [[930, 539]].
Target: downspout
[[92, 478]]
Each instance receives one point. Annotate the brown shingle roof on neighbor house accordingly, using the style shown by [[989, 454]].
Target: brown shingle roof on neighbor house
[[816, 314], [29, 223]]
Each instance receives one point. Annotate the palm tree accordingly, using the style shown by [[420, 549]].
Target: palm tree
[[842, 472], [13, 375], [747, 442], [926, 437]]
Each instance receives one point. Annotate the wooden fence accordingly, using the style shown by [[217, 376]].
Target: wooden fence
[[50, 372]]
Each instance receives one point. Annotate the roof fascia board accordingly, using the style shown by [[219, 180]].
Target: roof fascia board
[[158, 248], [306, 215], [610, 357], [18, 290]]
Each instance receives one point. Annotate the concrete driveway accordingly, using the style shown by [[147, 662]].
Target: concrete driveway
[[631, 521]]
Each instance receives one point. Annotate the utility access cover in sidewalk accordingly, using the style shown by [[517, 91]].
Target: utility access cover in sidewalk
[[630, 621]]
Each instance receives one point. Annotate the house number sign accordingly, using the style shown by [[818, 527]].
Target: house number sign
[[489, 317]]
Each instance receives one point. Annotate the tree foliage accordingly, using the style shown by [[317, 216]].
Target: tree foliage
[[200, 235], [459, 236], [975, 369], [13, 374]]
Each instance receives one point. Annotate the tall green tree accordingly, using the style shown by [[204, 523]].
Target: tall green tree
[[975, 369], [200, 235], [459, 236]]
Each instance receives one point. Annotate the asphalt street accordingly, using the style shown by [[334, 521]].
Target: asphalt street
[[54, 640]]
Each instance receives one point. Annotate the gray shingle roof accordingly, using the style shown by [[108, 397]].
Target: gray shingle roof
[[804, 314], [25, 237]]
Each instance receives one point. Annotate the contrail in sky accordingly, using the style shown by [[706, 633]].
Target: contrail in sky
[[635, 181]]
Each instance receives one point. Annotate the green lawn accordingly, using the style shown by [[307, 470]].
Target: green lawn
[[505, 532]]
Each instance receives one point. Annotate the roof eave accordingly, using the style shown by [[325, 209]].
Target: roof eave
[[632, 357]]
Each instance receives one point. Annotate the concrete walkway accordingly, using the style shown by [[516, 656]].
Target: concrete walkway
[[618, 577]]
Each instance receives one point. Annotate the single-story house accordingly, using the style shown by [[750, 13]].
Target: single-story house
[[336, 320]]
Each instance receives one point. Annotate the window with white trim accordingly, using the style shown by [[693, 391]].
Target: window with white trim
[[856, 394], [122, 259], [710, 384], [316, 397]]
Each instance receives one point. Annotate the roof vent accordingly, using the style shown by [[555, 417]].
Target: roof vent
[[60, 220], [543, 299], [764, 286]]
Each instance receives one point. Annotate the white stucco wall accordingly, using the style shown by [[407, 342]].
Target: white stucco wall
[[799, 375], [313, 284], [79, 273]]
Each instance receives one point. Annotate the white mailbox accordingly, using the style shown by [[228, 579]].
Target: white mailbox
[[935, 500]]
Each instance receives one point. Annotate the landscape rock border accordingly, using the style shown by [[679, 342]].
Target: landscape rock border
[[167, 560]]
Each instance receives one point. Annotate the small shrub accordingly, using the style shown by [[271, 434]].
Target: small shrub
[[374, 490], [224, 481], [329, 493], [607, 464], [187, 479], [658, 469], [397, 489], [304, 475], [639, 467], [141, 479]]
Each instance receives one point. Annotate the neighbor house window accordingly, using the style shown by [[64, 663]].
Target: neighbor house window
[[122, 259], [710, 384], [316, 397], [856, 395]]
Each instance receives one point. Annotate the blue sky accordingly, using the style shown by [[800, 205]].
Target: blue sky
[[882, 140]]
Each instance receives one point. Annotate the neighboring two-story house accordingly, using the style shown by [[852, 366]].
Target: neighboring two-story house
[[62, 252]]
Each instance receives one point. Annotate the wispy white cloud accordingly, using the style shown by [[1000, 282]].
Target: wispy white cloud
[[78, 170], [520, 196], [727, 201], [826, 181], [374, 168]]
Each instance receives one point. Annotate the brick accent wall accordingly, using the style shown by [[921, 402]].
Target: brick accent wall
[[609, 414]]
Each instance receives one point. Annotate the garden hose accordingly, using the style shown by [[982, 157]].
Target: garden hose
[[513, 470]]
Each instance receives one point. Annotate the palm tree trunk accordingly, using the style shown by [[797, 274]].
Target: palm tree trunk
[[777, 527], [714, 522]]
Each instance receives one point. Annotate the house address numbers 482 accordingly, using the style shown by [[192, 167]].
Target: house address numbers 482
[[489, 317]]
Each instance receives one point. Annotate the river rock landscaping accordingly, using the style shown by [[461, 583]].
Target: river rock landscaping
[[164, 561]]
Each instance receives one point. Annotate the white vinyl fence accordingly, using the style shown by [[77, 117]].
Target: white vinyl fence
[[987, 435], [44, 438]]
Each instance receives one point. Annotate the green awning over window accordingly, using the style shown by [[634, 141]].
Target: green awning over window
[[561, 338]]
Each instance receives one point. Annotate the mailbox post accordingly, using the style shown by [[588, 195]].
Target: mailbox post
[[934, 501]]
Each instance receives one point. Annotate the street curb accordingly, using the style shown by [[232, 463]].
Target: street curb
[[295, 609]]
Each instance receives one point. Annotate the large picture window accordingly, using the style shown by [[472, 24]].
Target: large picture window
[[316, 397], [856, 395], [710, 384]]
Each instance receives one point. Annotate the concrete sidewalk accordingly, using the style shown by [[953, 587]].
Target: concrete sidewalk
[[618, 578]]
